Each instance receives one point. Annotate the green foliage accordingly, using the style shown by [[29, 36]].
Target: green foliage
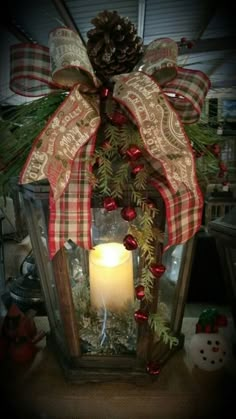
[[120, 180], [147, 282], [104, 173], [202, 137], [19, 126], [159, 325]]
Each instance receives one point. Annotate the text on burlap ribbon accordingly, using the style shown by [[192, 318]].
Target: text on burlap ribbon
[[150, 94]]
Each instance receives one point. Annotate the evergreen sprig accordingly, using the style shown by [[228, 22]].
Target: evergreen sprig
[[120, 180], [19, 126], [147, 282], [104, 173], [159, 325]]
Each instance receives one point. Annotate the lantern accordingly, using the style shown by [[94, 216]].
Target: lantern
[[103, 324]]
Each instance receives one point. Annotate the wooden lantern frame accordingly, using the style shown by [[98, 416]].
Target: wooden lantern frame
[[64, 333]]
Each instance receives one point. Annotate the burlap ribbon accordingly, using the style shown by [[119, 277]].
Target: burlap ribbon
[[157, 94]]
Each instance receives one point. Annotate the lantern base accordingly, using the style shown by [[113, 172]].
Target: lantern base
[[95, 369]]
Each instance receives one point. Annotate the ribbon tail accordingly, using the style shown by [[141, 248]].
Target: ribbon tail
[[70, 216], [183, 212], [168, 151]]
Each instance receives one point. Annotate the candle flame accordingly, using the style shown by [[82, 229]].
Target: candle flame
[[110, 254]]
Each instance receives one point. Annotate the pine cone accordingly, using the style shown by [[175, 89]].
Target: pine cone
[[113, 46]]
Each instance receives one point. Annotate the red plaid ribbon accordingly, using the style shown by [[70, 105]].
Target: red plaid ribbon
[[70, 216], [30, 70], [61, 151]]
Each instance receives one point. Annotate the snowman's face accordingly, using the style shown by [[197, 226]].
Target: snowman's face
[[209, 350]]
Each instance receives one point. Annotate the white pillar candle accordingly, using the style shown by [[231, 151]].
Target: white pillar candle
[[111, 276]]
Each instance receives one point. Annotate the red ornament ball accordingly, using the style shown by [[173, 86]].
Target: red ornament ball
[[140, 292], [141, 316], [153, 368], [128, 213], [137, 169], [133, 152], [157, 270], [110, 204], [130, 242]]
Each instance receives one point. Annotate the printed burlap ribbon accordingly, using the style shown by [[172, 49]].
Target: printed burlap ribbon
[[157, 95]]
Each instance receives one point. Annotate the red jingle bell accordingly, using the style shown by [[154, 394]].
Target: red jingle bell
[[104, 92], [150, 203], [157, 270], [137, 169], [119, 118], [133, 152], [140, 292], [153, 368], [215, 149], [223, 167], [128, 213], [130, 242], [140, 316], [110, 204]]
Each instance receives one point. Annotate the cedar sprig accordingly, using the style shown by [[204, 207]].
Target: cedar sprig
[[120, 180], [130, 135], [147, 281], [159, 326], [104, 173]]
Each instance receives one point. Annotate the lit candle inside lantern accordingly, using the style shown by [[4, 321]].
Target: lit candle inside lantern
[[111, 276]]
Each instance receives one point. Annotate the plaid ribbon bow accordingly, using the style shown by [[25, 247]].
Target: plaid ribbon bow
[[158, 96]]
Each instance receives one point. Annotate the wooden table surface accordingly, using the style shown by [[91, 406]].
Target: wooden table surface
[[181, 391]]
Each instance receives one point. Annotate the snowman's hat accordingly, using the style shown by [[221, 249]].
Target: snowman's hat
[[210, 320]]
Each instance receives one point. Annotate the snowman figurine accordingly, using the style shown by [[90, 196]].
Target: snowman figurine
[[209, 349]]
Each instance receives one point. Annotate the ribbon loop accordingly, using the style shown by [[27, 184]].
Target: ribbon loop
[[185, 89], [159, 60], [187, 93], [70, 63], [30, 70]]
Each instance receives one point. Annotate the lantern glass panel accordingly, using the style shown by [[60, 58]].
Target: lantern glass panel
[[172, 260], [36, 207], [102, 284]]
